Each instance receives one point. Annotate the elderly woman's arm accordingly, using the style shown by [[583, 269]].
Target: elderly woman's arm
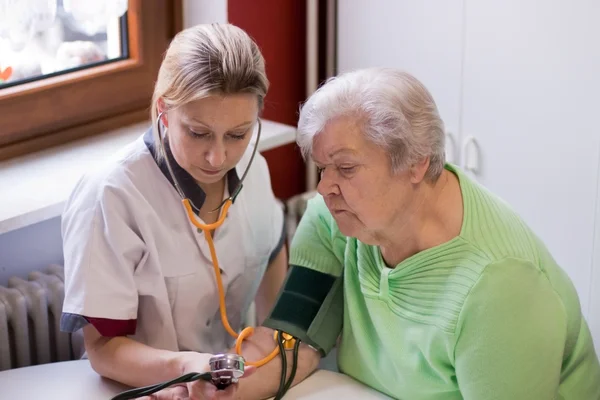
[[511, 335], [310, 248], [264, 383]]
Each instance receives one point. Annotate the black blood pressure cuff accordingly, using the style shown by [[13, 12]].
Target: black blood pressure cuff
[[310, 307]]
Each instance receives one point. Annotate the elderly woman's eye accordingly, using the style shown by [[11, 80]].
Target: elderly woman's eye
[[347, 170]]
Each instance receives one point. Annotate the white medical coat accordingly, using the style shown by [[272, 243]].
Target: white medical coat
[[135, 265]]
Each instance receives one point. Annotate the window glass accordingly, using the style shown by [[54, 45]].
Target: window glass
[[43, 38]]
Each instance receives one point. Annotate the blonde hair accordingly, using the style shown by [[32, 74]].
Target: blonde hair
[[205, 60], [393, 108]]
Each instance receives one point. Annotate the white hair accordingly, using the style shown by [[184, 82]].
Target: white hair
[[394, 110]]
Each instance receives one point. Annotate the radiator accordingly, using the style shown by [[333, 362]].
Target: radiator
[[30, 313]]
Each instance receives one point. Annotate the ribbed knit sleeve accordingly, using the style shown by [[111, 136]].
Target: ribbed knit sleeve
[[511, 335]]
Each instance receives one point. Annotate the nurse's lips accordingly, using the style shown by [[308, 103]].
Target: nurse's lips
[[210, 172]]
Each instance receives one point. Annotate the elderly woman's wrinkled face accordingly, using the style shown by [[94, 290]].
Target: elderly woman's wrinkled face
[[362, 193]]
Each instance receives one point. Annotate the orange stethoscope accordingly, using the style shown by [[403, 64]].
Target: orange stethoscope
[[207, 229]]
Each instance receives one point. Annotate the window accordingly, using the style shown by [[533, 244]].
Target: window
[[75, 68], [60, 36]]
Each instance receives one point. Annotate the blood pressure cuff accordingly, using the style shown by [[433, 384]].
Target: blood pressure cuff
[[310, 307]]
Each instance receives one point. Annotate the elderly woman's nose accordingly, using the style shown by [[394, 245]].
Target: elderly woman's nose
[[327, 186]]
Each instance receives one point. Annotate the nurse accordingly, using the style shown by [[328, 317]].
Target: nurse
[[139, 280]]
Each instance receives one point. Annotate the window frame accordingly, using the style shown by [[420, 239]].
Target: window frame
[[55, 110]]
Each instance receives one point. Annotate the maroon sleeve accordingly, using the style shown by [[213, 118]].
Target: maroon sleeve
[[106, 327]]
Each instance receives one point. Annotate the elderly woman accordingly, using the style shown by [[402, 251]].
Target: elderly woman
[[448, 293]]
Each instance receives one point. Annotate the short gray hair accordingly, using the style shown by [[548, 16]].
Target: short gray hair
[[395, 110]]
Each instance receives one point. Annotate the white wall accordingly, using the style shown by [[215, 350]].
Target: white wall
[[30, 248], [203, 12], [37, 246]]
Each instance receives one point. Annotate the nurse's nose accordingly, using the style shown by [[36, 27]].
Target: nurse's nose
[[216, 155]]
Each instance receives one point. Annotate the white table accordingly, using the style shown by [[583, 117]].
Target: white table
[[75, 380]]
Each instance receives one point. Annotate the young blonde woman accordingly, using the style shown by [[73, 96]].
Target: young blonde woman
[[138, 273]]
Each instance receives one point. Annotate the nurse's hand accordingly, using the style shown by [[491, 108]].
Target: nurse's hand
[[179, 392], [201, 390]]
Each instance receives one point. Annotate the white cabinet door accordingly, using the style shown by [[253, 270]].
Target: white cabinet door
[[421, 37], [531, 100], [594, 306]]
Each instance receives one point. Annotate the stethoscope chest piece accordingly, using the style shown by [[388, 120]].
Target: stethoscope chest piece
[[226, 369]]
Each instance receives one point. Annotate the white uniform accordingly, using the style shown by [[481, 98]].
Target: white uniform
[[135, 265]]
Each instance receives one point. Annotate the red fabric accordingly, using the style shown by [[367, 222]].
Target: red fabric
[[113, 327], [279, 29]]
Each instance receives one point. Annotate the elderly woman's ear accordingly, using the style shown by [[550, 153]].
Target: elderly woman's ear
[[418, 170]]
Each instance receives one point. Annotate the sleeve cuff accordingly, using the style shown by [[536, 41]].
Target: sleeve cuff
[[106, 327]]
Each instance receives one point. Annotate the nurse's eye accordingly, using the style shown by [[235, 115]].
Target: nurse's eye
[[238, 135], [198, 135]]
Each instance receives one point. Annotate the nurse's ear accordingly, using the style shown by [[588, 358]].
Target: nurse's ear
[[162, 108]]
